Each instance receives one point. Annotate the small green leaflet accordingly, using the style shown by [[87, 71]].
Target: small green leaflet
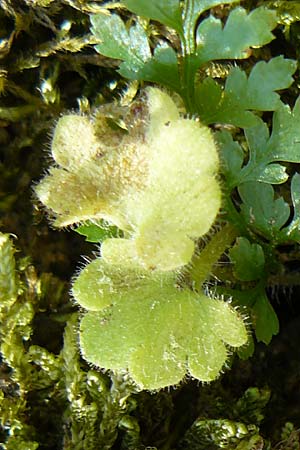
[[167, 12], [265, 318], [132, 47], [258, 91], [241, 94], [261, 210], [170, 13], [248, 260], [265, 152], [282, 145], [97, 232], [240, 32]]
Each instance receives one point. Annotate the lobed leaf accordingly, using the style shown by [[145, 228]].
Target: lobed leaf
[[134, 184], [131, 46], [258, 91], [232, 104], [248, 260], [284, 143], [162, 336], [265, 152], [261, 210], [215, 42]]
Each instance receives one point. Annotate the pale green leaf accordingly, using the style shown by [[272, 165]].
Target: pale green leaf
[[147, 326]]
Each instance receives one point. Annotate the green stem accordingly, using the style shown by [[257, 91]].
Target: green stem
[[202, 264], [188, 50]]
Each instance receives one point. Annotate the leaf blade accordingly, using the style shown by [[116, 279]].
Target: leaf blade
[[167, 12], [215, 42]]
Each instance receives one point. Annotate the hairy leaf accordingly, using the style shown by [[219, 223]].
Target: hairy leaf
[[134, 184], [159, 333]]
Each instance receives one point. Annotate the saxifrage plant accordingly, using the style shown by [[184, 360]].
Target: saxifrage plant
[[151, 170]]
